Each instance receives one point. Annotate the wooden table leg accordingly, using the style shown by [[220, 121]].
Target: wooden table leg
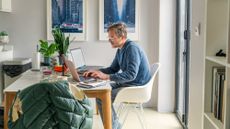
[[106, 110], [97, 110], [105, 97], [9, 97]]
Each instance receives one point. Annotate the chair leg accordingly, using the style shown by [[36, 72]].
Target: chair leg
[[126, 111], [119, 109], [140, 115]]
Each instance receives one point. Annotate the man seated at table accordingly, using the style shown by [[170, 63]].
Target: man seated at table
[[130, 66]]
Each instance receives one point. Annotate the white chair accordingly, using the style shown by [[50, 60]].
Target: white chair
[[132, 98]]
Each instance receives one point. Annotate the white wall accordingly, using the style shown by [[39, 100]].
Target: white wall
[[197, 53], [155, 8], [26, 24], [167, 43]]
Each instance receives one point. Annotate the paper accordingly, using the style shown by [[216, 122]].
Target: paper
[[92, 84]]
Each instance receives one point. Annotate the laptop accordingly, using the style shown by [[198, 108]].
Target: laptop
[[75, 75], [85, 82], [79, 61]]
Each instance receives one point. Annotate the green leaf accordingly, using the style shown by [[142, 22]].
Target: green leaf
[[62, 42], [3, 33], [46, 49]]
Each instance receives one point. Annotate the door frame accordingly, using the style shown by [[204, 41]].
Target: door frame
[[184, 119]]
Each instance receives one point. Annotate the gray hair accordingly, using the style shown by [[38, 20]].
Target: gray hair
[[119, 28]]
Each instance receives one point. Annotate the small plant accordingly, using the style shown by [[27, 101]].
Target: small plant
[[46, 49], [3, 33], [4, 38], [61, 41]]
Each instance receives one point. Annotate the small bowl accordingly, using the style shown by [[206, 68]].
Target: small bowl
[[47, 72]]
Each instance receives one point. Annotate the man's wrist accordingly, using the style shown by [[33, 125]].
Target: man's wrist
[[107, 77]]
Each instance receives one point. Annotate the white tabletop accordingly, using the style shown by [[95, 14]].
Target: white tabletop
[[31, 77]]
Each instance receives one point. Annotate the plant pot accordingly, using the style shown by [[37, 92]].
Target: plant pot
[[61, 62], [47, 61], [4, 39], [1, 47]]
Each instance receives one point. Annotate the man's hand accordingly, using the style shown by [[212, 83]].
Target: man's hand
[[96, 74], [88, 73]]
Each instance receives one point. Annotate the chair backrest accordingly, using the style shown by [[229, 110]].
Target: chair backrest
[[138, 94]]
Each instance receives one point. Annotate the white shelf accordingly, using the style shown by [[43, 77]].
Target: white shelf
[[5, 10], [215, 122], [5, 5], [5, 55], [218, 60], [217, 38]]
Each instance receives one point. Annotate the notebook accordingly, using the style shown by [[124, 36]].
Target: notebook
[[85, 82], [79, 60]]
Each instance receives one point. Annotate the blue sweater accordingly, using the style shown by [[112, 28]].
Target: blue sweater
[[130, 66]]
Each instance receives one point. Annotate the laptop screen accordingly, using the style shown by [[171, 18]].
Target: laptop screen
[[78, 58]]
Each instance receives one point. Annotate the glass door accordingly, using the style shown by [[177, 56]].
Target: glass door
[[182, 60]]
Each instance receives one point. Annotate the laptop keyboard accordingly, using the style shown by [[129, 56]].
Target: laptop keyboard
[[87, 79], [81, 71]]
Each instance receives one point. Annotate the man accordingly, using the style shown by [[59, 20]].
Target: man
[[129, 67]]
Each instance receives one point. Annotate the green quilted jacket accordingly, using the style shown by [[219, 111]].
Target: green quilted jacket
[[50, 106]]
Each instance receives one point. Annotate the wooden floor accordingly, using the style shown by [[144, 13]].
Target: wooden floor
[[154, 120]]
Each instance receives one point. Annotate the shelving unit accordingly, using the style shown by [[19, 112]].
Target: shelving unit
[[7, 54], [216, 123], [5, 5], [217, 37], [218, 60]]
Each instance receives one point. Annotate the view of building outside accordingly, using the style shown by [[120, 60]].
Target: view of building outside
[[119, 11], [68, 15]]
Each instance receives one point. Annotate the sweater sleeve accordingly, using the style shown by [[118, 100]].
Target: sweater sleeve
[[132, 59], [114, 67]]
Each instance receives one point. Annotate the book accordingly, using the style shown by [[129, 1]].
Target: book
[[214, 76], [218, 77], [221, 95], [223, 101]]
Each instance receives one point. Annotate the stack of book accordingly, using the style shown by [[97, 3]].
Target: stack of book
[[218, 90]]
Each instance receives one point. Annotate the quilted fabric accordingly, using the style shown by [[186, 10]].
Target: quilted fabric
[[50, 106]]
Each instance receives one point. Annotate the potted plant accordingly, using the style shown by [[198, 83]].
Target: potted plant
[[47, 50], [61, 41], [4, 38], [62, 44]]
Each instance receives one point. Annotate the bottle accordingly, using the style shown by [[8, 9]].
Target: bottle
[[36, 60]]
